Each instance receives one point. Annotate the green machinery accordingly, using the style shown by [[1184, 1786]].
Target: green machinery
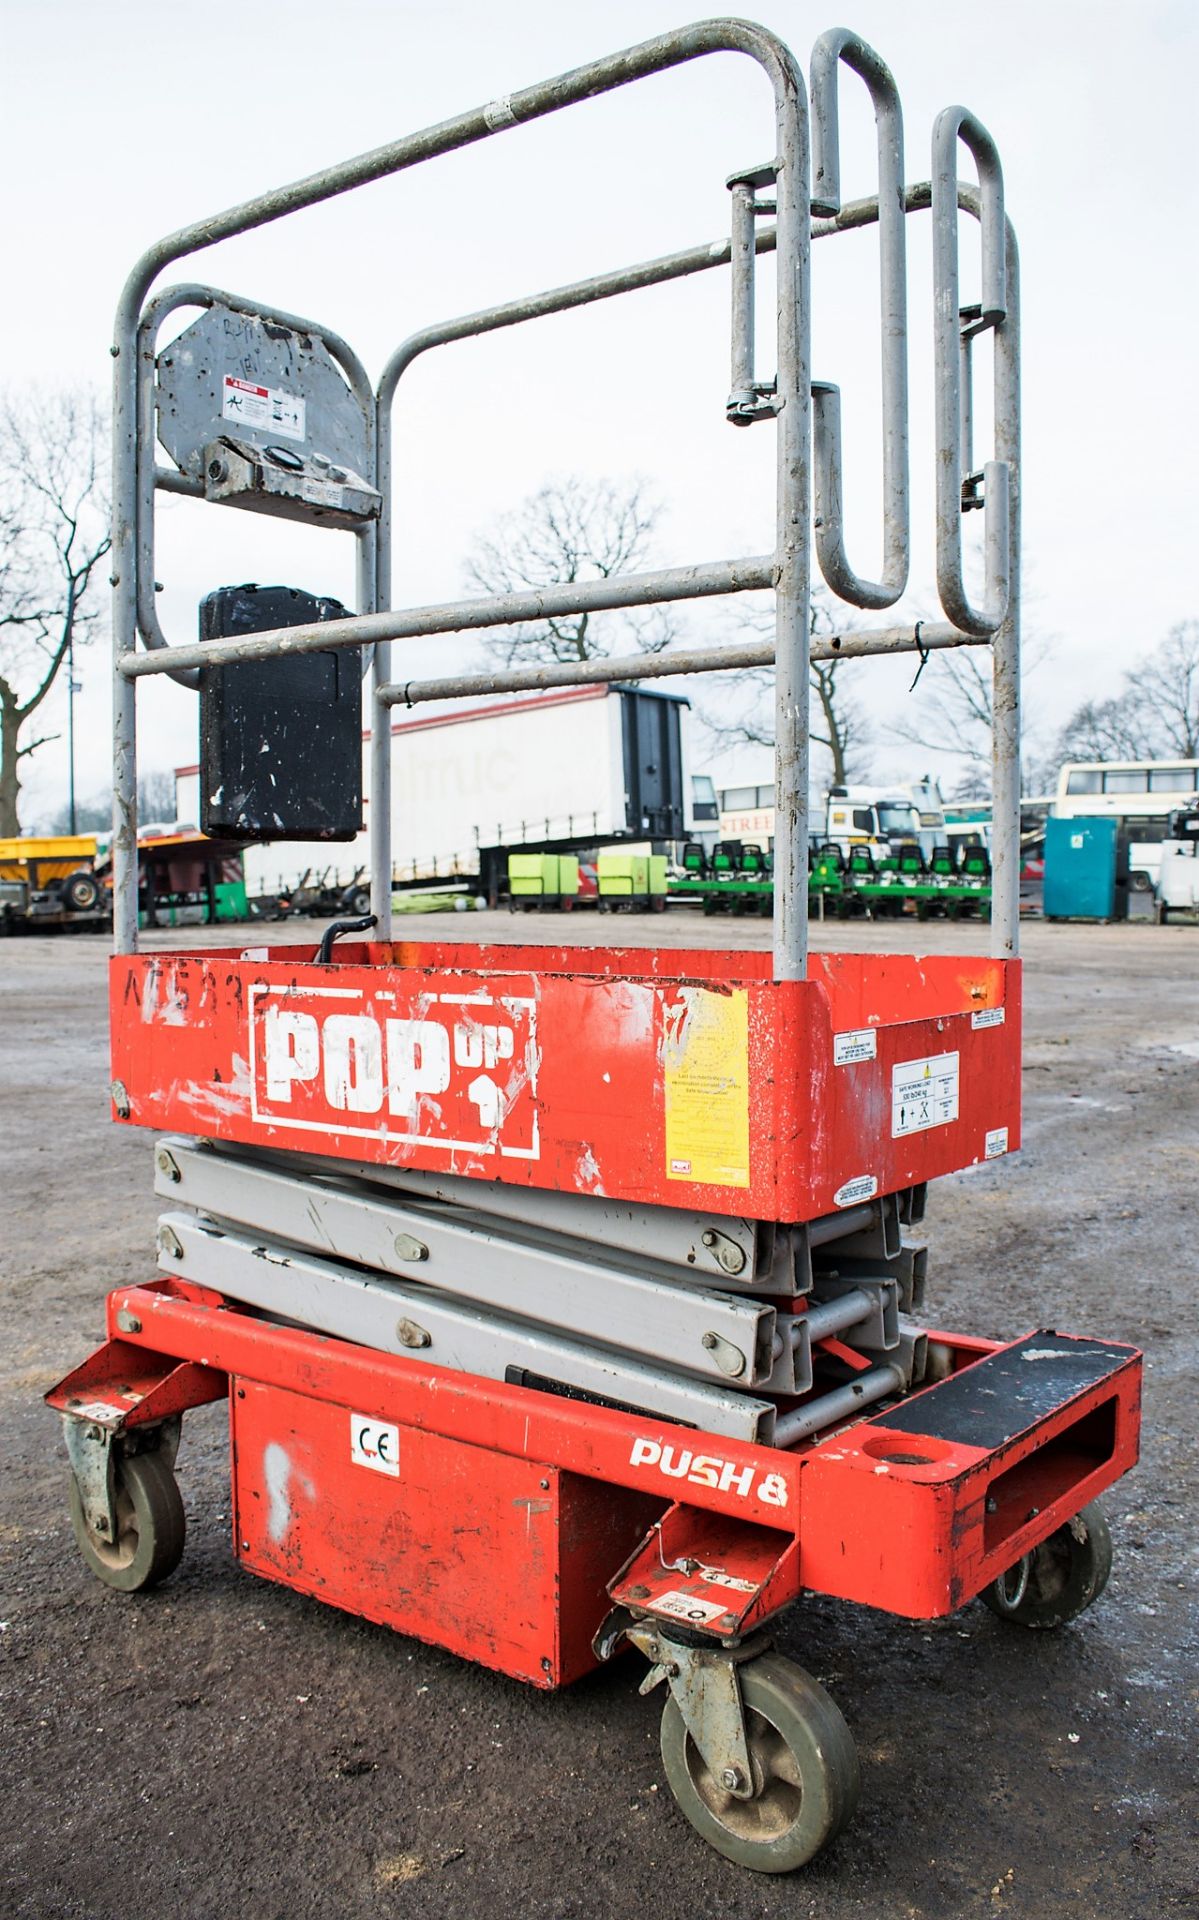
[[631, 882], [542, 880], [736, 878]]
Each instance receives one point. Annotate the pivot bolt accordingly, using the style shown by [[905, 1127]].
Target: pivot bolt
[[732, 1779], [727, 1254]]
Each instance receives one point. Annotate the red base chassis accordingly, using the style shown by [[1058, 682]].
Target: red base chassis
[[503, 1522]]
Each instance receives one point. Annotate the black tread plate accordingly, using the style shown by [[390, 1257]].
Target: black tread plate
[[991, 1401]]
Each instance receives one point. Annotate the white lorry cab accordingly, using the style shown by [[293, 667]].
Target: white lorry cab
[[884, 818]]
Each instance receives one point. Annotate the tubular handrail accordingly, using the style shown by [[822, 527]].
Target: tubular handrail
[[464, 616], [788, 399], [831, 51], [793, 506], [952, 124], [735, 657], [1005, 640]]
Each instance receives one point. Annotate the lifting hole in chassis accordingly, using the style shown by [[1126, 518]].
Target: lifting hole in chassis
[[1042, 1477]]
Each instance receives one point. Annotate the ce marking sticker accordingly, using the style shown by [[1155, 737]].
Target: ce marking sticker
[[374, 1445]]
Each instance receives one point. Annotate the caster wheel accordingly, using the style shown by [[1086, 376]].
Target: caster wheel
[[805, 1770], [1060, 1579], [150, 1526]]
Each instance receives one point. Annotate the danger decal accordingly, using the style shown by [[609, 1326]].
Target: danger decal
[[269, 409]]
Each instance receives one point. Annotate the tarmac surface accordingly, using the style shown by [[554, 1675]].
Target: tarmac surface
[[224, 1747]]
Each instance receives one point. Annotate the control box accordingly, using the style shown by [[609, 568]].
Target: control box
[[280, 739]]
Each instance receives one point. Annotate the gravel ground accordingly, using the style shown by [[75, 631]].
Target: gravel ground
[[222, 1747]]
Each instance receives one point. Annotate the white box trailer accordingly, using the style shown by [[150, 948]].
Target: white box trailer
[[571, 768]]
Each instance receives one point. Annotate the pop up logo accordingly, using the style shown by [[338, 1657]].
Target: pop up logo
[[456, 1070]]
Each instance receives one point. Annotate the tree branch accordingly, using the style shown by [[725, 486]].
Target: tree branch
[[46, 738], [570, 531]]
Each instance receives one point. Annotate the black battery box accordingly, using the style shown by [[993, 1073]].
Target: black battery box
[[280, 740]]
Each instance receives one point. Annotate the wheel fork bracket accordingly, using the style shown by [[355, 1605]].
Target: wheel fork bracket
[[89, 1449], [92, 1449], [706, 1686], [124, 1399]]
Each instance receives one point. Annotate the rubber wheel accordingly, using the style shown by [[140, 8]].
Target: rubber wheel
[[805, 1769], [1059, 1579], [150, 1526], [361, 901], [81, 892]]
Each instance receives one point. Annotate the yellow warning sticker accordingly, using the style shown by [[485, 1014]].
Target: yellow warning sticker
[[706, 1059]]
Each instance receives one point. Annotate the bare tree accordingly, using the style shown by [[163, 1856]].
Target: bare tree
[[1168, 690], [956, 713], [52, 539], [957, 717], [1102, 730], [1153, 717], [839, 724], [842, 729], [571, 529], [93, 815], [156, 795]]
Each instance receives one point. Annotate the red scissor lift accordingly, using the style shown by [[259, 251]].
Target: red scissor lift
[[569, 1298]]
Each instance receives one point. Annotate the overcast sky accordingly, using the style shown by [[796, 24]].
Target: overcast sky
[[122, 122]]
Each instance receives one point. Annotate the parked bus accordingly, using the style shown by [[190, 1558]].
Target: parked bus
[[1140, 793]]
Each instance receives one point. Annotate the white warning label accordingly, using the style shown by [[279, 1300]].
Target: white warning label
[[685, 1606], [988, 1017], [716, 1577], [995, 1143], [849, 1048], [269, 409], [924, 1093], [864, 1187]]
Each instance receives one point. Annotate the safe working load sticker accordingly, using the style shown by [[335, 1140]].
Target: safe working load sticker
[[705, 1057], [924, 1093]]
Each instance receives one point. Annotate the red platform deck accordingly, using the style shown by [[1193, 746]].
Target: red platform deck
[[682, 1078]]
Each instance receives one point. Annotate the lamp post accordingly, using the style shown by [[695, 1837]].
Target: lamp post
[[73, 687]]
